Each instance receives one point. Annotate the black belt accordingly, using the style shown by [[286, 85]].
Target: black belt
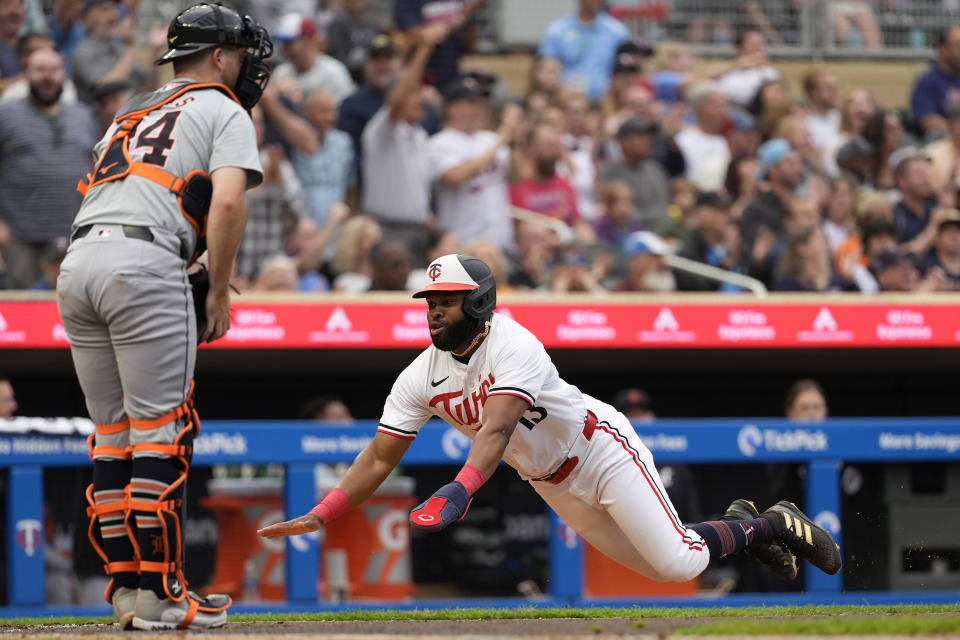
[[568, 465], [129, 231]]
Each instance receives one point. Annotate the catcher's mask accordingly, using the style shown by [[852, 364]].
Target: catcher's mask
[[460, 272], [208, 25]]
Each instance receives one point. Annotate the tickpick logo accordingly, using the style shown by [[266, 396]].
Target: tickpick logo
[[749, 440]]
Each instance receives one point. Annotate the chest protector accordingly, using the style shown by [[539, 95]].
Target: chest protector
[[193, 190]]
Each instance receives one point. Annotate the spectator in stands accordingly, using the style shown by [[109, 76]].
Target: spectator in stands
[[762, 222], [625, 75], [579, 143], [884, 134], [536, 249], [50, 265], [770, 105], [944, 157], [546, 75], [820, 87], [646, 268], [277, 273], [896, 272], [443, 68], [44, 148], [573, 272], [322, 156], [12, 16], [396, 185], [805, 402], [937, 88], [392, 265], [350, 34], [442, 243], [856, 111], [545, 191], [494, 258], [793, 129], [743, 140], [715, 241], [806, 264], [854, 24], [620, 217], [876, 236], [8, 401], [307, 63], [913, 214], [469, 165], [108, 51], [704, 148], [741, 84], [327, 408], [839, 219], [586, 42], [351, 265], [646, 176], [108, 99], [945, 254], [18, 88], [680, 220], [274, 208], [380, 70]]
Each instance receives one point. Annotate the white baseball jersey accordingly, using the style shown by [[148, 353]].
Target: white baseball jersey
[[509, 361]]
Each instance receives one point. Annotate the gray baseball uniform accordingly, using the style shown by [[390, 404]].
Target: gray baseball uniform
[[125, 302]]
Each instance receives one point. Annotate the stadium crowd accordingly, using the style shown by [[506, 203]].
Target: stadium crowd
[[381, 151]]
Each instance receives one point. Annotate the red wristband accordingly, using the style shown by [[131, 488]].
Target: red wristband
[[471, 478], [333, 506]]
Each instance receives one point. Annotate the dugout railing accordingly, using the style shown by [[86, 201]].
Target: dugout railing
[[299, 446]]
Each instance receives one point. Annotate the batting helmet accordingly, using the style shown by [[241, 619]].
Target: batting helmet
[[459, 272]]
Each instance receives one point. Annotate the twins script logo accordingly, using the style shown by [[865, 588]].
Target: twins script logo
[[465, 412]]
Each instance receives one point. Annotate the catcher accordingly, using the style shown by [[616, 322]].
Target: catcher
[[168, 181], [492, 380]]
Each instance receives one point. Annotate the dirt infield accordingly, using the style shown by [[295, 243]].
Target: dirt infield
[[528, 629]]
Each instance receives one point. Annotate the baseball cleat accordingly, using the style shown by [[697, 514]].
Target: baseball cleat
[[124, 601], [805, 539], [153, 613], [772, 555]]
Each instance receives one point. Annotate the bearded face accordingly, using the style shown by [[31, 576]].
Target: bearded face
[[456, 334]]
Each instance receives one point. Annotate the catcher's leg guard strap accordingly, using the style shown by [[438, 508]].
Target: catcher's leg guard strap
[[109, 505], [156, 494]]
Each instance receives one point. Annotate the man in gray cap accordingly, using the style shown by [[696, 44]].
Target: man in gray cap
[[646, 176]]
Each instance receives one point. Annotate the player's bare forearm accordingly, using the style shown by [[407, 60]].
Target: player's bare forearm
[[500, 417], [367, 472], [225, 223], [372, 466]]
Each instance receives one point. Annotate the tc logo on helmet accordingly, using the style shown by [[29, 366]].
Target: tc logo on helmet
[[434, 271]]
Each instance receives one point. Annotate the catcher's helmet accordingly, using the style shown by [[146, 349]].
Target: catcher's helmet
[[459, 272], [207, 25]]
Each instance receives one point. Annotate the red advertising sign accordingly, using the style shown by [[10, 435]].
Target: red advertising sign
[[595, 324]]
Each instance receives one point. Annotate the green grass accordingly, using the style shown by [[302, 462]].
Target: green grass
[[828, 626], [836, 614]]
